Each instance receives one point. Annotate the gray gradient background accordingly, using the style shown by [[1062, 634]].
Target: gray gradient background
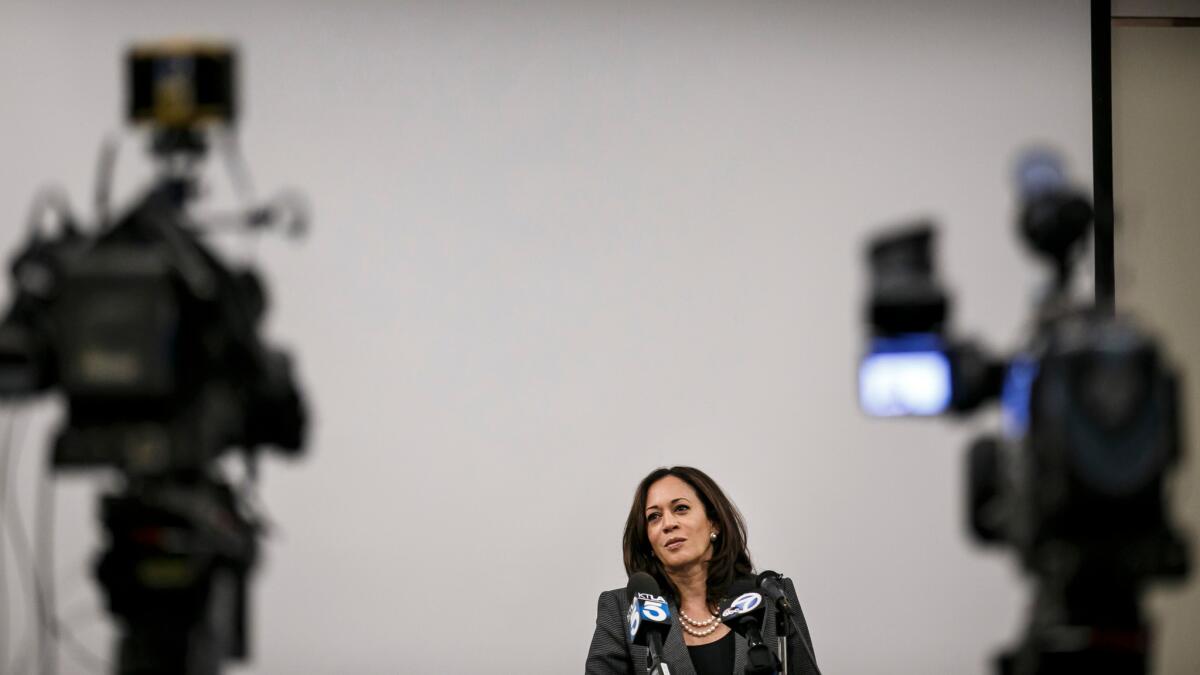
[[557, 245]]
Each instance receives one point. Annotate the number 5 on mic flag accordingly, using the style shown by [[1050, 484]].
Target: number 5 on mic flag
[[649, 608]]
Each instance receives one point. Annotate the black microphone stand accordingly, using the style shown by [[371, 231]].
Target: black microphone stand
[[656, 665], [783, 630], [759, 659], [785, 624]]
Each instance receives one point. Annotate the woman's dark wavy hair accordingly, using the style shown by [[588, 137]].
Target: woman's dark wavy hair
[[730, 559]]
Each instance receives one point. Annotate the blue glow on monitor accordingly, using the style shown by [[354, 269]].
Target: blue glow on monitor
[[902, 376]]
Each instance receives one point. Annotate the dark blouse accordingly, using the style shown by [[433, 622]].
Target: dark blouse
[[714, 658]]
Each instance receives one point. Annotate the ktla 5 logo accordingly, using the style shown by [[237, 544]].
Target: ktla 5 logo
[[746, 602], [653, 608]]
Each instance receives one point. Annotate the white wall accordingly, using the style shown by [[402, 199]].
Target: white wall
[[560, 244]]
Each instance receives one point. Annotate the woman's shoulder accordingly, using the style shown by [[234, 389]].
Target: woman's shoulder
[[619, 595], [611, 609]]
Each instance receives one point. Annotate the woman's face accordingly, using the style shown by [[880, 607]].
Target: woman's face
[[676, 524]]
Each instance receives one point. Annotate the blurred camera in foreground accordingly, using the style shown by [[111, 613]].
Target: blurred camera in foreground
[[1076, 481], [156, 345]]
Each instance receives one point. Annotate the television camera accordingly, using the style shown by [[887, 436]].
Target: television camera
[[155, 344], [1076, 483]]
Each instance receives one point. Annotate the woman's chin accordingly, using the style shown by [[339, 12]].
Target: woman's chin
[[679, 562]]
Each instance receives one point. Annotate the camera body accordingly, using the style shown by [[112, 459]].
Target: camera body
[[1091, 417], [154, 343], [152, 339]]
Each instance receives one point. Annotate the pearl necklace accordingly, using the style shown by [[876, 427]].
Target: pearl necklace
[[698, 628]]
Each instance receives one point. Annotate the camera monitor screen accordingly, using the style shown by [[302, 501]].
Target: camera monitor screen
[[899, 380]]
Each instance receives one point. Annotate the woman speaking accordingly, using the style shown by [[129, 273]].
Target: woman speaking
[[686, 534]]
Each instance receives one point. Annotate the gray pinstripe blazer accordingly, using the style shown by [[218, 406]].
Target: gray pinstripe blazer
[[612, 654]]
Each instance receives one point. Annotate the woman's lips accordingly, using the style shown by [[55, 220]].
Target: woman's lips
[[674, 544]]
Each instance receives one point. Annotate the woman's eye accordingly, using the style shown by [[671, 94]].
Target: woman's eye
[[652, 517], [682, 508]]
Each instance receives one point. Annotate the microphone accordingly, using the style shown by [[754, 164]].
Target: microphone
[[744, 614], [649, 619], [771, 584]]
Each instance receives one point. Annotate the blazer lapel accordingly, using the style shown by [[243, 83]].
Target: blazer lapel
[[769, 635], [768, 627], [740, 651], [675, 652]]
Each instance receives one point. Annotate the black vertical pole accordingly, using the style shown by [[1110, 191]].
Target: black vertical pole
[[1102, 153]]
